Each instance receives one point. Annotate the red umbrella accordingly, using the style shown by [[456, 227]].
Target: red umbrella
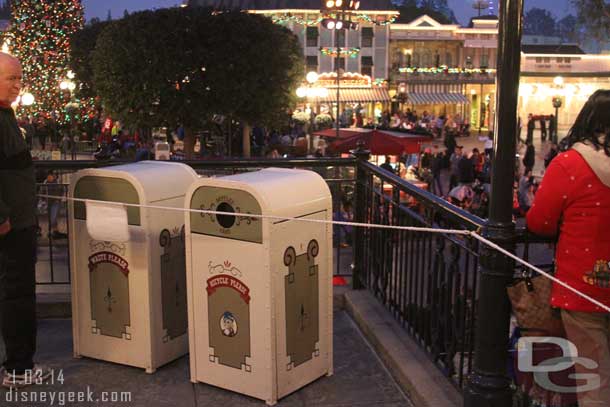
[[343, 132], [382, 142]]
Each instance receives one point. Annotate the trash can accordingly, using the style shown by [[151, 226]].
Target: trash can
[[260, 289], [128, 263], [162, 151]]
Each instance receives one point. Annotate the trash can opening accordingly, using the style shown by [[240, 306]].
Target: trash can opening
[[226, 221]]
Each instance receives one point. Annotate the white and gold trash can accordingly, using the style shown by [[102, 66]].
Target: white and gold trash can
[[260, 289], [128, 263]]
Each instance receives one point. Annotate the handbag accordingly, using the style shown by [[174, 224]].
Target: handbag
[[530, 297]]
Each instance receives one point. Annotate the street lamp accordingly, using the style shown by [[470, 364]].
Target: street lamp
[[311, 92], [341, 20], [557, 102], [69, 85]]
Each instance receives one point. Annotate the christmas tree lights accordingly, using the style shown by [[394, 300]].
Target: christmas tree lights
[[40, 38]]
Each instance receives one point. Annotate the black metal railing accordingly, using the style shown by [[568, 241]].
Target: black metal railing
[[429, 281]]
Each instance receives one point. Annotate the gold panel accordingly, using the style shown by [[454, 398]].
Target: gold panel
[[243, 228], [107, 189]]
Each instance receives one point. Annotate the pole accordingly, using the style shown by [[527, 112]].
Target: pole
[[338, 78], [556, 126], [489, 384]]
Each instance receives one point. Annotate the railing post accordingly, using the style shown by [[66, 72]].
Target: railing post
[[363, 156], [489, 385]]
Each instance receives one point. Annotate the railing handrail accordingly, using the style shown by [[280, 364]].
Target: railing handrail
[[203, 164], [454, 213]]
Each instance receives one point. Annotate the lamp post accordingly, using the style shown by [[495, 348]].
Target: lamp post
[[339, 20], [311, 92], [558, 82], [69, 86]]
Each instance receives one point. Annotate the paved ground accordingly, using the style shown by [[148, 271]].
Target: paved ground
[[359, 380]]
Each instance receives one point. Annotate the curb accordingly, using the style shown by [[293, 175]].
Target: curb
[[419, 378]]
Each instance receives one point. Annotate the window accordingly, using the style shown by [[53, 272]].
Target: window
[[340, 38], [484, 61], [367, 37], [341, 63], [312, 36], [448, 59], [538, 60], [312, 63], [366, 67]]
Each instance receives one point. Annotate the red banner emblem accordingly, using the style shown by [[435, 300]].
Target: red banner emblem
[[108, 257], [217, 282]]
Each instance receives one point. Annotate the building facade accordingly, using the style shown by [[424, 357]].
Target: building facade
[[563, 71], [362, 51], [445, 69]]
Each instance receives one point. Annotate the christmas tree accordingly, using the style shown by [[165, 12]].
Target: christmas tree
[[40, 37]]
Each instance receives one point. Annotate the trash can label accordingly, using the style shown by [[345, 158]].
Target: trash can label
[[229, 321], [173, 283], [109, 284]]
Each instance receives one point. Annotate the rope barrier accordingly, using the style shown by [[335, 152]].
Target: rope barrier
[[472, 234]]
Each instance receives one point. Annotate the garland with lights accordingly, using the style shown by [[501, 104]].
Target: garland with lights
[[40, 33], [369, 19], [289, 17], [445, 70], [332, 52]]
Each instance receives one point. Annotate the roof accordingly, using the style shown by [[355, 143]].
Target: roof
[[355, 95], [369, 5], [436, 98], [562, 49], [484, 17]]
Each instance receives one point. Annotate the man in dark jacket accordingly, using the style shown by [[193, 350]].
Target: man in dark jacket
[[531, 125], [17, 238], [529, 158]]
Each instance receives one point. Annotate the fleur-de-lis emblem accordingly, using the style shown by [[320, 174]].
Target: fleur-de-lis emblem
[[109, 299]]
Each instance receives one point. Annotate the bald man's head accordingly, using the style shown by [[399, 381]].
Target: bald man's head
[[10, 78]]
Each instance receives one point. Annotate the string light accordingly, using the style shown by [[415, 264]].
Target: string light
[[291, 18], [331, 51], [443, 69], [40, 38]]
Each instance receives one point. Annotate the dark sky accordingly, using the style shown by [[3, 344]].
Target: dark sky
[[462, 8]]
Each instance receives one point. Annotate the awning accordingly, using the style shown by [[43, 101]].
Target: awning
[[354, 95], [436, 98], [381, 142]]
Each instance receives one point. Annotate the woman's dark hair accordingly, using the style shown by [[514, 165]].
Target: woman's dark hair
[[592, 124]]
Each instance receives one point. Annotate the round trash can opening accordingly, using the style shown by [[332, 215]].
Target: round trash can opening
[[226, 221]]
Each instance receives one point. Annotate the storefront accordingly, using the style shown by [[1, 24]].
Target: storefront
[[355, 93], [481, 110]]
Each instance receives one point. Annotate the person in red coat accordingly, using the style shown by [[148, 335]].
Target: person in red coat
[[573, 201]]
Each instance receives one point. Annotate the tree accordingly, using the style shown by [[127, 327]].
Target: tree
[[437, 9], [256, 67], [41, 31], [81, 50], [594, 17], [183, 65], [567, 29], [538, 21]]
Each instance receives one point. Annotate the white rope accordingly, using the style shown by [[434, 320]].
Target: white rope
[[474, 234], [250, 215], [538, 270]]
